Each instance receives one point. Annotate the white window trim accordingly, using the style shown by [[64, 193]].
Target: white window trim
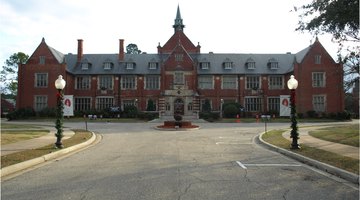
[[313, 102], [236, 82], [324, 79]]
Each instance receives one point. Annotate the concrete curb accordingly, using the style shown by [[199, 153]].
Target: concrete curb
[[354, 178], [51, 156]]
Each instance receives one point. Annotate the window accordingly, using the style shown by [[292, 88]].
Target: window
[[128, 82], [42, 60], [205, 82], [104, 102], [107, 65], [82, 103], [253, 82], [179, 57], [253, 104], [152, 82], [40, 102], [250, 65], [229, 82], [129, 103], [206, 105], [151, 105], [179, 78], [190, 106], [41, 80], [273, 64], [167, 106], [276, 82], [204, 65], [82, 82], [130, 65], [317, 59], [274, 104], [318, 79], [153, 65], [84, 66], [319, 103], [228, 65], [105, 82]]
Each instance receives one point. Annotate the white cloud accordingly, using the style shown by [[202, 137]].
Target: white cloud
[[232, 26]]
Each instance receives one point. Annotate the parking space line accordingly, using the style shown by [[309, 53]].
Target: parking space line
[[245, 166], [241, 165]]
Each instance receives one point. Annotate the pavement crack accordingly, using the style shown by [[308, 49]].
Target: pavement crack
[[185, 191], [285, 193]]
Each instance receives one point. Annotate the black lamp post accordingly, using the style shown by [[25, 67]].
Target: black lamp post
[[59, 85], [292, 85]]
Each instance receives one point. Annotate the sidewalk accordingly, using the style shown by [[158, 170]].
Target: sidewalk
[[342, 149], [34, 143]]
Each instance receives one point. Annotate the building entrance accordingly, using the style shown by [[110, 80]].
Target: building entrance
[[179, 106]]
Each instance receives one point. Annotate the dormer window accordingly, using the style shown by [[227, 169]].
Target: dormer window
[[273, 64], [107, 65], [153, 65], [130, 65], [250, 64], [227, 64], [85, 66], [204, 65]]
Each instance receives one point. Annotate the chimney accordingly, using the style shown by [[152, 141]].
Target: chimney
[[80, 50], [121, 51]]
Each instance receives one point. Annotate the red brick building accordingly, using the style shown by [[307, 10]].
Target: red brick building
[[179, 78]]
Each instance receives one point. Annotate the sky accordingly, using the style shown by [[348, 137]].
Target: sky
[[227, 26]]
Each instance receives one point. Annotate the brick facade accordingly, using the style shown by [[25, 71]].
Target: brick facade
[[178, 78]]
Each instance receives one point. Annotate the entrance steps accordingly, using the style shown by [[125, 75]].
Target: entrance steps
[[191, 118]]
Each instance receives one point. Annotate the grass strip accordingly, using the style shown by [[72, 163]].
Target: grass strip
[[14, 158], [275, 137], [12, 136], [348, 135]]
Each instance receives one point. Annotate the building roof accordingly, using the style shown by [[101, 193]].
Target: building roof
[[97, 62], [285, 63], [57, 54]]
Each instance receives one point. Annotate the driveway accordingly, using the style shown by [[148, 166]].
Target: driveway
[[218, 161]]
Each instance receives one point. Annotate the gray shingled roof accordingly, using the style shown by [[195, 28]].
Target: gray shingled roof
[[119, 67], [57, 54], [301, 54], [285, 63]]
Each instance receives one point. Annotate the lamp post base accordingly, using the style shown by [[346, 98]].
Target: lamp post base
[[59, 145], [295, 146]]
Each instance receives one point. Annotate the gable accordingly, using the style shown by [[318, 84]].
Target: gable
[[308, 55], [179, 59], [179, 38], [44, 54]]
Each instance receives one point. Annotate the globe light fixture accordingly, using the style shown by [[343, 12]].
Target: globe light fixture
[[59, 85], [292, 85]]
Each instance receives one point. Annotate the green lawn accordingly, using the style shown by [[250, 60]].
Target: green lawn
[[349, 164], [10, 159], [12, 136], [348, 135]]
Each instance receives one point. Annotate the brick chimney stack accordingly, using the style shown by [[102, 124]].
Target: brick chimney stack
[[121, 50], [80, 50]]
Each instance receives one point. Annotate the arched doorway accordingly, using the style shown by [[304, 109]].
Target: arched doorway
[[179, 106]]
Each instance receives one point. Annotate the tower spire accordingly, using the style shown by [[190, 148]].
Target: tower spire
[[178, 25]]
